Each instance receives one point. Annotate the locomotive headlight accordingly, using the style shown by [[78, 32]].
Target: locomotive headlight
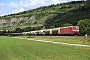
[[75, 30]]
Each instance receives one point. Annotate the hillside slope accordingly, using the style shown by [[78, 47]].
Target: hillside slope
[[53, 15]]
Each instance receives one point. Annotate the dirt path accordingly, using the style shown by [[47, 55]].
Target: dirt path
[[81, 45]]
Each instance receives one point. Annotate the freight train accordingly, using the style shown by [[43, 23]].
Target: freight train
[[69, 30]]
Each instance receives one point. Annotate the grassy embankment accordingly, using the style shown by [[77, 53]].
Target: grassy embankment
[[22, 49], [65, 39]]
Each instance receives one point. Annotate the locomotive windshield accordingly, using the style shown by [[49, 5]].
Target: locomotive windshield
[[76, 28]]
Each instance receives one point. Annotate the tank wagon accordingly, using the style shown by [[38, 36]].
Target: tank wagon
[[40, 32], [48, 32]]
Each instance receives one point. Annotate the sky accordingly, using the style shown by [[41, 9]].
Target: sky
[[14, 6]]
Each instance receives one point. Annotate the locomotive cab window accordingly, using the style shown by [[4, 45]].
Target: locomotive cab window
[[76, 28]]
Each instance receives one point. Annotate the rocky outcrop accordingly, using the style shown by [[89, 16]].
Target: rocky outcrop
[[18, 19], [22, 22], [15, 20], [3, 21]]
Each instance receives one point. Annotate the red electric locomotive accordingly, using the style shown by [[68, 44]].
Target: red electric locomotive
[[71, 30]]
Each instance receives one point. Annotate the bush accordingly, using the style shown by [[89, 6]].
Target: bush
[[84, 26]]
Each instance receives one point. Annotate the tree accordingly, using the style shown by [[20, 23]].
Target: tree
[[66, 24], [18, 30], [37, 28], [43, 27], [87, 3], [28, 29], [52, 27], [84, 26]]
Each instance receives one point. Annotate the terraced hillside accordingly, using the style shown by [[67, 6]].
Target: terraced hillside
[[54, 15]]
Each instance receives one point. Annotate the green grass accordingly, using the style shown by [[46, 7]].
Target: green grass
[[21, 49], [66, 39]]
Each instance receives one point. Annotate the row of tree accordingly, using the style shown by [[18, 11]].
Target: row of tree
[[83, 24], [88, 3]]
